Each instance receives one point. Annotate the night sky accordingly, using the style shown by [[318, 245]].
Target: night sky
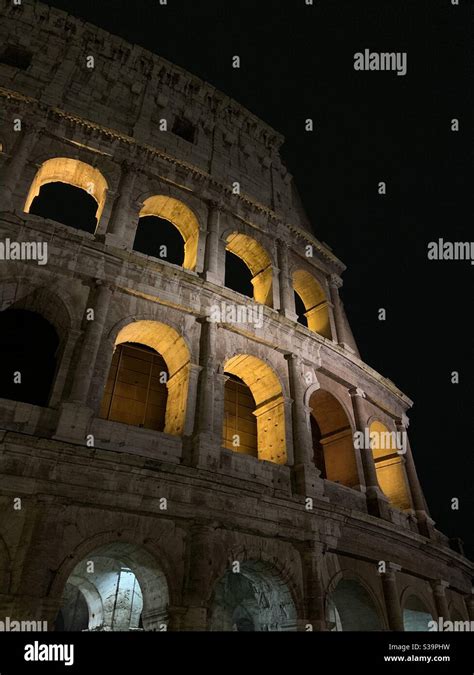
[[297, 63]]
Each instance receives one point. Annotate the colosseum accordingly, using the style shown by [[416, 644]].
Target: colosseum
[[185, 414]]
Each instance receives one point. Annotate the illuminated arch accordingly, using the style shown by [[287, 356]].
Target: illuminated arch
[[259, 263], [72, 172], [332, 439], [315, 302], [181, 216], [269, 401], [389, 466], [122, 589], [171, 346]]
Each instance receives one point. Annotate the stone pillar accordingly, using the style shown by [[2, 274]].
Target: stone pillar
[[307, 479], [90, 344], [439, 591], [205, 447], [191, 402], [211, 258], [377, 503], [341, 335], [121, 215], [425, 523], [197, 575], [312, 555], [392, 599], [75, 414], [15, 168], [287, 296]]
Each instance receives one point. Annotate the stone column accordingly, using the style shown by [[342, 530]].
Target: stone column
[[425, 523], [16, 166], [191, 402], [121, 216], [377, 503], [312, 555], [197, 575], [439, 591], [287, 296], [75, 414], [211, 257], [90, 344], [306, 475], [392, 599], [335, 283], [206, 448]]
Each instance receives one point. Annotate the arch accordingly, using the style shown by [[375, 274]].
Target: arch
[[165, 340], [136, 391], [184, 220], [240, 422], [389, 465], [252, 597], [416, 616], [333, 444], [31, 345], [269, 401], [315, 302], [351, 607], [72, 172], [259, 263], [123, 587]]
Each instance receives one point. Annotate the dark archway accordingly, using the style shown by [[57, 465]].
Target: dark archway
[[136, 391], [66, 204], [159, 238], [238, 276], [28, 344], [300, 310]]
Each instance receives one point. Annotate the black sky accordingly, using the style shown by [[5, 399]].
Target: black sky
[[297, 62]]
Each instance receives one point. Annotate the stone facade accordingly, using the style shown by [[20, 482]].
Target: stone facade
[[217, 539]]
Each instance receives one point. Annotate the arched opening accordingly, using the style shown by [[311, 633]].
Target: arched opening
[[269, 410], [153, 357], [415, 615], [136, 391], [28, 344], [240, 423], [119, 587], [68, 191], [254, 599], [159, 238], [389, 466], [237, 275], [249, 268], [332, 440], [169, 230], [350, 608], [313, 299]]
